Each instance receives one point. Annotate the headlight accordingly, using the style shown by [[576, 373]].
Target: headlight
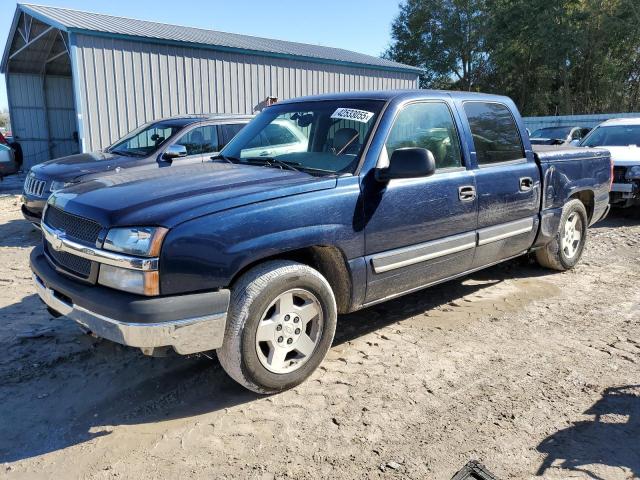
[[141, 241], [633, 173], [55, 186], [134, 281]]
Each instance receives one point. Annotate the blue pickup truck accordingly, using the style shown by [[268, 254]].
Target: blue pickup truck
[[255, 253]]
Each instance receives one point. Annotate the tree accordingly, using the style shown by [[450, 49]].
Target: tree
[[445, 39], [4, 119], [553, 57]]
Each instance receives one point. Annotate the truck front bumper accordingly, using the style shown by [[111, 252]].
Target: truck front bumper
[[188, 323], [32, 208]]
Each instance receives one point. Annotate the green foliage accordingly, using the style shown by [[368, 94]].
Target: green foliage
[[551, 57], [4, 119]]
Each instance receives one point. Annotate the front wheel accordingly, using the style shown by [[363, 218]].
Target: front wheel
[[281, 322], [565, 250]]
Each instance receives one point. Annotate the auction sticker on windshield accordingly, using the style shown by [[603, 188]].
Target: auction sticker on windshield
[[352, 114]]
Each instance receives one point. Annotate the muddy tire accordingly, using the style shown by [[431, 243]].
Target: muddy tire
[[566, 248], [281, 323]]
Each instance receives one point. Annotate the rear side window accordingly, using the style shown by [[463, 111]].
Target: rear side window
[[229, 131], [495, 134]]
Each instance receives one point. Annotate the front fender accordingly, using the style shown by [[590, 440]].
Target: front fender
[[208, 252]]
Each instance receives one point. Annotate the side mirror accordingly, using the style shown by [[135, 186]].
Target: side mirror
[[408, 163], [575, 142], [174, 151]]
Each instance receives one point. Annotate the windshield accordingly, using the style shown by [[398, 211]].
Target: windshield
[[613, 136], [321, 137], [145, 140], [555, 132]]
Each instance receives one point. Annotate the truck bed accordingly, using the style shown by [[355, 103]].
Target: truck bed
[[555, 153]]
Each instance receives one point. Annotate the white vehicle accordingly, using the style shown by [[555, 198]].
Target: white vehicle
[[621, 136], [8, 164]]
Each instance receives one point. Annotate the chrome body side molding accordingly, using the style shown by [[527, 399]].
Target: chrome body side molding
[[504, 230], [402, 257]]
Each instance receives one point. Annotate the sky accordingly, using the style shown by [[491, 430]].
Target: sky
[[359, 25]]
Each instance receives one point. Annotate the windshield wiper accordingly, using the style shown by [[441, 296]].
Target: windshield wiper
[[272, 162]]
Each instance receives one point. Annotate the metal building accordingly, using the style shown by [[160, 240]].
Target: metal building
[[77, 81]]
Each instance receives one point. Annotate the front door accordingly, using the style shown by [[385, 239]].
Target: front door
[[508, 183], [420, 230]]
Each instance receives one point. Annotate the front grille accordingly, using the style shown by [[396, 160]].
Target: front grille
[[618, 174], [77, 265], [33, 186], [73, 226]]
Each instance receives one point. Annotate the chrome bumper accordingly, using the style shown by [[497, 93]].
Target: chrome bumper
[[190, 335]]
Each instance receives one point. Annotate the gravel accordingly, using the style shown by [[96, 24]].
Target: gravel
[[531, 372]]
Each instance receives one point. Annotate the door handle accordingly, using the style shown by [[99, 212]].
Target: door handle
[[526, 184], [467, 193]]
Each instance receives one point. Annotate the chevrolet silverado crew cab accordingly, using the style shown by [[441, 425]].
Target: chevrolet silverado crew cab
[[254, 255], [158, 144]]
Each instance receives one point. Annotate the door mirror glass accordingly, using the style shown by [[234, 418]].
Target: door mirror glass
[[174, 151], [408, 162]]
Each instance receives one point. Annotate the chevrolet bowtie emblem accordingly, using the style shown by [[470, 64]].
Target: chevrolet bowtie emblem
[[56, 242]]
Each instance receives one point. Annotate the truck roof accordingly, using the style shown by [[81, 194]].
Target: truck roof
[[388, 95]]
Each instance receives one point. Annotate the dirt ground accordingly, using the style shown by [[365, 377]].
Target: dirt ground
[[531, 372]]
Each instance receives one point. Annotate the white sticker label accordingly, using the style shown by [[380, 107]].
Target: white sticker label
[[352, 114]]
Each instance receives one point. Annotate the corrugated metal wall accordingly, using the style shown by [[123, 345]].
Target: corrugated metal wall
[[61, 115], [42, 116], [126, 83], [590, 121], [28, 116]]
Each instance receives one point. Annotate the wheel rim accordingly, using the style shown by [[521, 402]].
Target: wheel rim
[[572, 235], [289, 331]]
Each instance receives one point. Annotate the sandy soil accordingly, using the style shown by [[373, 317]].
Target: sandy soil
[[531, 372]]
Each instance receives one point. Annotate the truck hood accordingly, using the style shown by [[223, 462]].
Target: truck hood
[[169, 196], [68, 169], [625, 156]]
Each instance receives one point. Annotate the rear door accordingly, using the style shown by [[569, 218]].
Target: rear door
[[420, 230], [507, 181]]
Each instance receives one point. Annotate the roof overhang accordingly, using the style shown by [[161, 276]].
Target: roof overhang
[[33, 39]]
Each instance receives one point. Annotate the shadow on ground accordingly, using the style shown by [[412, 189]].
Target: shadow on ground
[[610, 439], [620, 217], [19, 234], [50, 402]]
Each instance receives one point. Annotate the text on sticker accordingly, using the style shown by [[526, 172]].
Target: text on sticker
[[352, 114]]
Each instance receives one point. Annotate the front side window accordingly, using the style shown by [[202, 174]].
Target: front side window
[[495, 134], [613, 136], [200, 140], [145, 140], [321, 138], [427, 125]]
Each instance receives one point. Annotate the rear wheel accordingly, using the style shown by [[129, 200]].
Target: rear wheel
[[281, 323], [565, 250]]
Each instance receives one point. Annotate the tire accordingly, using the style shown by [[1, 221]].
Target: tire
[[557, 254], [270, 297]]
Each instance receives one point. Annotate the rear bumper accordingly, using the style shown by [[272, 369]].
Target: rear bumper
[[188, 323]]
